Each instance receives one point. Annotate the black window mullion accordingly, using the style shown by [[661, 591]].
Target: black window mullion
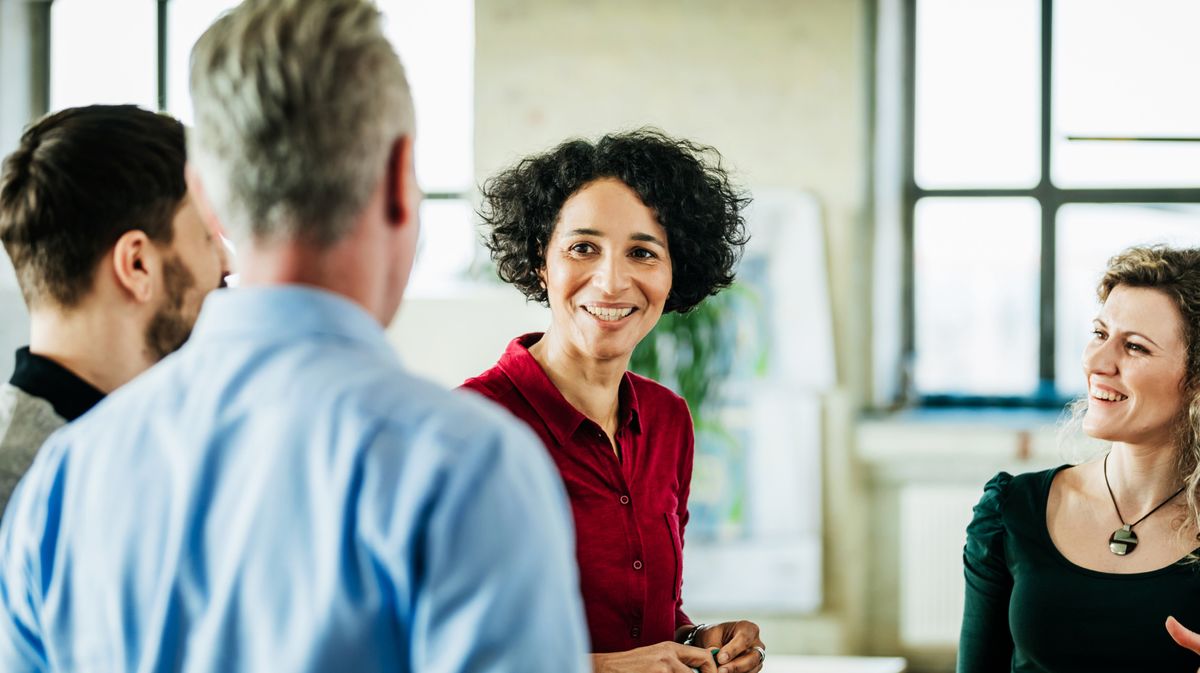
[[908, 343], [1049, 201], [1130, 195], [39, 31], [161, 56], [1058, 196]]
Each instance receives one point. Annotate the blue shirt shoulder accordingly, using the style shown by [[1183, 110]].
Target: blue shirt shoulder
[[282, 495]]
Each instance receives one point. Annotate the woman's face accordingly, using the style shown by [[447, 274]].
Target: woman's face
[[1135, 364], [608, 271]]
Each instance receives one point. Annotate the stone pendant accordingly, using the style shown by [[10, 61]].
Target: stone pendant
[[1123, 541]]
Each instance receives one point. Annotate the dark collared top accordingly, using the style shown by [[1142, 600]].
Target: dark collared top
[[40, 398], [630, 513], [42, 377]]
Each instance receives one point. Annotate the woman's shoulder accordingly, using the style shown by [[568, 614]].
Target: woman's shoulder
[[1003, 488], [995, 496], [493, 383], [496, 382], [649, 390], [1005, 496]]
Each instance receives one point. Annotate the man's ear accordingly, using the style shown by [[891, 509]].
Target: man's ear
[[401, 188], [135, 263]]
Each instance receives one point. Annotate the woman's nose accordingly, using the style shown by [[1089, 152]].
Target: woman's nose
[[611, 276], [1099, 357]]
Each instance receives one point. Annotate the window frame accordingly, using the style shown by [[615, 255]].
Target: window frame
[[1049, 197], [41, 78], [162, 42]]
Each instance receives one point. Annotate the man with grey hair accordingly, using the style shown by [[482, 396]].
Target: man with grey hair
[[280, 494]]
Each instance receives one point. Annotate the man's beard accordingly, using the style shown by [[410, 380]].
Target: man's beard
[[169, 327]]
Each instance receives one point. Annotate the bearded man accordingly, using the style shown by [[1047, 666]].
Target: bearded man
[[113, 260]]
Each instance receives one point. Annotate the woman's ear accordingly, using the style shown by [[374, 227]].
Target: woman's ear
[[541, 272], [136, 262]]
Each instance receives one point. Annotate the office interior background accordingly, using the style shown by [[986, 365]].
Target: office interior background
[[937, 185]]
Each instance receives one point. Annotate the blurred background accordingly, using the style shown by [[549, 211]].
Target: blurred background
[[938, 184]]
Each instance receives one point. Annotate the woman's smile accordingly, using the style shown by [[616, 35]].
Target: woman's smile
[[609, 314]]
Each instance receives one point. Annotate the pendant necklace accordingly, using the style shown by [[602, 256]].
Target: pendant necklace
[[1123, 540]]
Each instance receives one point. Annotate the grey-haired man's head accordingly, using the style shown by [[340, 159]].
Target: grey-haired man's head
[[298, 106]]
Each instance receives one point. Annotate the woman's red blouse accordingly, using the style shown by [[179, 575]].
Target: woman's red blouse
[[630, 513]]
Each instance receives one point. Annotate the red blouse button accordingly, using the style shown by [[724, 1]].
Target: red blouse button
[[637, 565], [624, 500]]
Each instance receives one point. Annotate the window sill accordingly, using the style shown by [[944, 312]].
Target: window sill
[[955, 445]]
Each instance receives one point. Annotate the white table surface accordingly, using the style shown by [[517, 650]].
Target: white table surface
[[782, 663]]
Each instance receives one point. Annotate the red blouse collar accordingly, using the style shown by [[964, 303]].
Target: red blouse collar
[[560, 416]]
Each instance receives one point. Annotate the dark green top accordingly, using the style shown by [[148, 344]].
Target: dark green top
[[1030, 609]]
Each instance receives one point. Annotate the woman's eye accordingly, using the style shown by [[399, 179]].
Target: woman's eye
[[1099, 334], [642, 253], [1135, 347], [581, 248]]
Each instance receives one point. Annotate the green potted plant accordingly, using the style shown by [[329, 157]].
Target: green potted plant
[[695, 354]]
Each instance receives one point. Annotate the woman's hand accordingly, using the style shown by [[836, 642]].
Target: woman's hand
[[1184, 636], [737, 641], [666, 657]]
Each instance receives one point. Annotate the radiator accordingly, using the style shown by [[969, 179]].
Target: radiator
[[933, 523]]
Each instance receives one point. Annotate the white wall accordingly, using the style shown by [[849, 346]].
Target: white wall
[[449, 339]]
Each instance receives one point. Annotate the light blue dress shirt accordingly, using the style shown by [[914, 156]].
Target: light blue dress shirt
[[280, 495]]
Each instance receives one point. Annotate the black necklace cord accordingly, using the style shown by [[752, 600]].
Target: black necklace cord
[[1118, 508]]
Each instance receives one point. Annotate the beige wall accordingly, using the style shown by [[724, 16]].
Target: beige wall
[[780, 88]]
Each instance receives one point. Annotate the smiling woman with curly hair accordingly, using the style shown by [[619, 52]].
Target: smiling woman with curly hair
[[610, 235], [683, 183]]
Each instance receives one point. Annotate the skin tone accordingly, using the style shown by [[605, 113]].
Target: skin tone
[[608, 274], [104, 338], [1134, 364], [369, 265], [1184, 636]]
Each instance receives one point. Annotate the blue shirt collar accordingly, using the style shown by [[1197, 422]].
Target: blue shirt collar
[[286, 311]]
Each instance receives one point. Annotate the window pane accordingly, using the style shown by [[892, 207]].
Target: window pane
[[436, 41], [976, 291], [103, 52], [977, 93], [186, 21], [446, 249], [1125, 69], [1088, 235]]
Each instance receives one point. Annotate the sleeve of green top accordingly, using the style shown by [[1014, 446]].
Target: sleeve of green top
[[985, 644]]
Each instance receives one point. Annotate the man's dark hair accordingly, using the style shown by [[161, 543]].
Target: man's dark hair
[[80, 179], [681, 181]]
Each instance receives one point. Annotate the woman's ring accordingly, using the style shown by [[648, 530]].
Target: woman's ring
[[762, 653]]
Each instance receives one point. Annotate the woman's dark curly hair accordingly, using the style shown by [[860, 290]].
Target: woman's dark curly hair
[[682, 182]]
